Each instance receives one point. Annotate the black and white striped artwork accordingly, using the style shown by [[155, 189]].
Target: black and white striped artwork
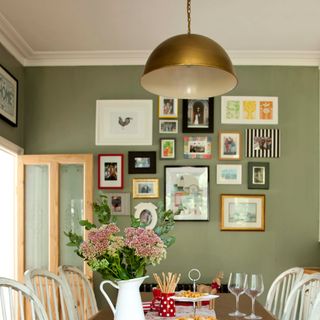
[[262, 143]]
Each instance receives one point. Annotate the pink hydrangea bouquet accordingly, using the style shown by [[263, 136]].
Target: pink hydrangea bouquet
[[122, 257]]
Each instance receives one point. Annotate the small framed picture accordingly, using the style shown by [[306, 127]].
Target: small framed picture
[[242, 212], [197, 147], [8, 97], [263, 143], [110, 171], [229, 145], [229, 173], [197, 116], [258, 175], [168, 126], [167, 148], [147, 214], [119, 203], [145, 188], [142, 162], [168, 107]]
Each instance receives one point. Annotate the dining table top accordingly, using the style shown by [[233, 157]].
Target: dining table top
[[223, 306]]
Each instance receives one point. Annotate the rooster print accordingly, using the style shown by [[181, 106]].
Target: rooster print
[[125, 122]]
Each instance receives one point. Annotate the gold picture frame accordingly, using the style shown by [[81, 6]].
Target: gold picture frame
[[242, 212], [145, 188], [167, 108]]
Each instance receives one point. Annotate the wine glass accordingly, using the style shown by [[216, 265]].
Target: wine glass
[[237, 285], [254, 289]]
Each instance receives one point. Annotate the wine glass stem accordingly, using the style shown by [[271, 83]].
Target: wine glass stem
[[253, 300], [237, 302]]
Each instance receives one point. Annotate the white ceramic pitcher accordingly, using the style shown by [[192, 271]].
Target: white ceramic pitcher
[[129, 304]]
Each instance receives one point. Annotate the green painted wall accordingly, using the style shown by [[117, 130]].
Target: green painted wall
[[14, 134], [61, 119]]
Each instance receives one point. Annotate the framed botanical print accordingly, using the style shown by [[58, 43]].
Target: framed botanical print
[[168, 107], [142, 162], [229, 145], [110, 171], [145, 188], [242, 212], [258, 175], [167, 148], [187, 189], [197, 116]]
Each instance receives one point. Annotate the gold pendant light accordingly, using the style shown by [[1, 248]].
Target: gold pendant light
[[189, 66]]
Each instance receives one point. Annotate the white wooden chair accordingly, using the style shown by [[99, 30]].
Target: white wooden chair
[[302, 298], [17, 301], [315, 311], [53, 294], [83, 295], [280, 290]]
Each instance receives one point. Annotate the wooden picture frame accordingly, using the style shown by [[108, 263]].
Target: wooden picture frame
[[197, 115], [119, 203], [8, 97], [187, 189], [242, 212], [145, 188], [142, 162], [167, 148], [197, 147], [229, 173], [258, 175], [168, 126], [167, 107], [230, 145], [110, 171]]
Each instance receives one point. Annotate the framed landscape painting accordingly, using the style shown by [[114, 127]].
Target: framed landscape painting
[[242, 212], [8, 97], [229, 173]]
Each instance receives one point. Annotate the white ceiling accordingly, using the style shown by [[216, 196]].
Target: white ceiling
[[44, 32]]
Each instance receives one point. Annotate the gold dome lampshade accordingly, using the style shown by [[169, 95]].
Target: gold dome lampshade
[[189, 66]]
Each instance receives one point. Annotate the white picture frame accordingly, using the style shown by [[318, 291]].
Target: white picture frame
[[168, 126], [124, 122], [119, 203], [229, 173], [249, 110], [146, 212]]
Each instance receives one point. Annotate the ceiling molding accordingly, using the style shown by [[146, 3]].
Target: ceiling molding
[[21, 50]]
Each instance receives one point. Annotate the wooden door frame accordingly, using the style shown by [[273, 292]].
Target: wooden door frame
[[53, 161]]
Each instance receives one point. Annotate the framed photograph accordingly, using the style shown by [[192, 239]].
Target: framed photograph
[[119, 203], [263, 143], [123, 122], [147, 214], [187, 188], [8, 97], [229, 173], [197, 147], [168, 126], [249, 110], [258, 175], [229, 145], [242, 212], [197, 116], [167, 148], [145, 188], [168, 107], [142, 162], [110, 171]]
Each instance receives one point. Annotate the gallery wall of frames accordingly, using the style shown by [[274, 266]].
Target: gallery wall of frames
[[239, 153]]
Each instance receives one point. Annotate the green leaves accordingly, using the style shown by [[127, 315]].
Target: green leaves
[[102, 210]]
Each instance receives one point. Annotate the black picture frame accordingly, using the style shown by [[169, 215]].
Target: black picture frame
[[258, 175], [198, 122], [8, 97], [171, 155], [142, 162], [187, 189]]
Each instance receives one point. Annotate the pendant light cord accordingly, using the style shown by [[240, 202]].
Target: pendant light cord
[[189, 15]]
